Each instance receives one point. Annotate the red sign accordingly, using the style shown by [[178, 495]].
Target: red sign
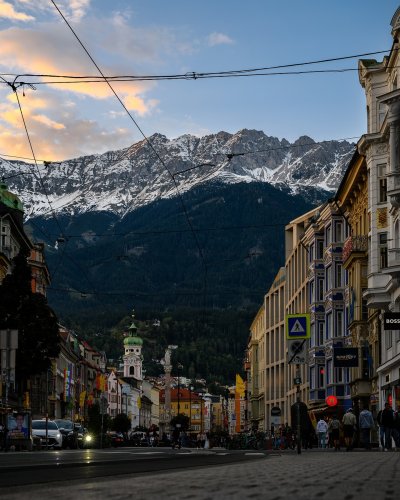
[[331, 400]]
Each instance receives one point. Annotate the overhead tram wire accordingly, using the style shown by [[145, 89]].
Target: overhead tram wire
[[15, 87], [145, 138], [193, 75]]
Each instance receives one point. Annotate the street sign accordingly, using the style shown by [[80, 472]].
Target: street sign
[[391, 321], [297, 352], [298, 326]]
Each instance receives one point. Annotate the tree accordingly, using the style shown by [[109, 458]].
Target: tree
[[38, 338], [181, 419], [121, 423]]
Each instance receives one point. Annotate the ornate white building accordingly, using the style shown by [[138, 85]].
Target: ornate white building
[[381, 147]]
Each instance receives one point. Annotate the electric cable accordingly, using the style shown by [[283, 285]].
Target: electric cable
[[194, 75], [140, 130]]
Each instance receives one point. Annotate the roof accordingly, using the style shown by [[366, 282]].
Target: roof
[[184, 395]]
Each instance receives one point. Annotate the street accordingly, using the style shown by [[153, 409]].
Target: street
[[193, 474]]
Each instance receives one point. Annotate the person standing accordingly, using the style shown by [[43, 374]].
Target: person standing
[[334, 430], [396, 429], [322, 429], [366, 422], [349, 422], [387, 422], [381, 430]]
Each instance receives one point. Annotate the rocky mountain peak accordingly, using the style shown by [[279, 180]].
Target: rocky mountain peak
[[123, 180]]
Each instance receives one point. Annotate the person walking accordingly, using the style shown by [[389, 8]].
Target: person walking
[[349, 422], [381, 430], [366, 422], [387, 422], [334, 432], [322, 429]]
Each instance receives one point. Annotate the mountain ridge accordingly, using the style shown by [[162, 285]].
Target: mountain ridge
[[123, 180]]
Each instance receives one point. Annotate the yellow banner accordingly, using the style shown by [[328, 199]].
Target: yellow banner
[[82, 397], [240, 386]]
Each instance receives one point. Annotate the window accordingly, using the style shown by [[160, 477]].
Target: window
[[394, 85], [320, 289], [338, 375], [339, 280], [339, 323], [320, 333], [382, 184], [311, 292], [320, 249], [329, 372], [338, 232], [383, 250], [389, 339], [329, 331], [328, 236], [328, 275], [382, 108], [312, 377], [321, 376]]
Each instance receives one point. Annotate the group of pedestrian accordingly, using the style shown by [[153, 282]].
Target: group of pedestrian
[[389, 429]]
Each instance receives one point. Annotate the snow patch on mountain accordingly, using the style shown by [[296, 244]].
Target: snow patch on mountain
[[121, 181]]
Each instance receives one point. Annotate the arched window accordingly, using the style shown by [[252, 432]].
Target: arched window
[[132, 370]]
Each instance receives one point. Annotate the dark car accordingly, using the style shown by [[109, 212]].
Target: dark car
[[116, 439], [72, 433]]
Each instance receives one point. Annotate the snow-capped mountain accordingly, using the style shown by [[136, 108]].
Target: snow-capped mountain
[[121, 181]]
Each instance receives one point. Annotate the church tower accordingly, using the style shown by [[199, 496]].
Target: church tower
[[133, 358]]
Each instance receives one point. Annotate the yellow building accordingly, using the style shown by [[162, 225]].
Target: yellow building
[[352, 197], [188, 403]]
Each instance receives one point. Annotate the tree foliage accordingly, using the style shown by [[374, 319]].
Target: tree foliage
[[121, 423], [29, 313]]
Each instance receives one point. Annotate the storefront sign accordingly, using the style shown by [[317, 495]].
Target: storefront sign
[[345, 357], [391, 321]]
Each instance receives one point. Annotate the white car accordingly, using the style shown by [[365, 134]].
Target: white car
[[54, 436]]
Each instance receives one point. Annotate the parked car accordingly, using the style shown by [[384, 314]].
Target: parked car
[[54, 436], [138, 438], [72, 433], [116, 439]]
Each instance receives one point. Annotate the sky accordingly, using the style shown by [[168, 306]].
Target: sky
[[159, 37]]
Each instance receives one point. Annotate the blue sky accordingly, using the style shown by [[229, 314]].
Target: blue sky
[[176, 36]]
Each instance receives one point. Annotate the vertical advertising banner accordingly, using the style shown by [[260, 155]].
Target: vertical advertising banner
[[18, 425]]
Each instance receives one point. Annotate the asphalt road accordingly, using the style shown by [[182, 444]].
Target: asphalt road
[[24, 468], [204, 475]]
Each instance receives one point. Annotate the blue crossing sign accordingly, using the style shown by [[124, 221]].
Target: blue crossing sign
[[298, 326]]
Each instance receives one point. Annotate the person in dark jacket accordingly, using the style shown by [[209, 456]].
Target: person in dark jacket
[[387, 422], [396, 429]]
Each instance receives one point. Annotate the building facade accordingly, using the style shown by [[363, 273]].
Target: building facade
[[381, 148]]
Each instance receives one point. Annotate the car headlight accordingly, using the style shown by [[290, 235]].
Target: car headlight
[[88, 438], [58, 435]]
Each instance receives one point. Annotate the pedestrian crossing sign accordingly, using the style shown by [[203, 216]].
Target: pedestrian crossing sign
[[298, 326]]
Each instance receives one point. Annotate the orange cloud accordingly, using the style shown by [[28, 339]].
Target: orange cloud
[[7, 10], [29, 51], [48, 122]]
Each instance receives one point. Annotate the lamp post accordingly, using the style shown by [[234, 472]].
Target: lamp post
[[201, 412], [179, 367], [190, 406]]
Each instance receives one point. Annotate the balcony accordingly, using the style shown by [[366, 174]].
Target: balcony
[[393, 267], [393, 188], [355, 246]]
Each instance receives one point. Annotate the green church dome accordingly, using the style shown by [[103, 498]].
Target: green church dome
[[132, 339], [137, 341]]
